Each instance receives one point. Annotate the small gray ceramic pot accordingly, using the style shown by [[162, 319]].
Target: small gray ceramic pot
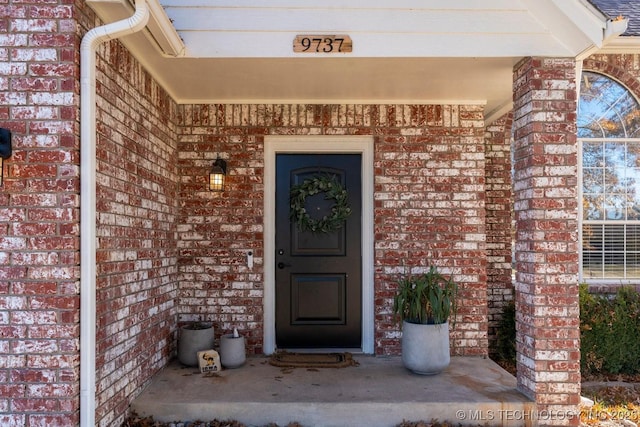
[[232, 351]]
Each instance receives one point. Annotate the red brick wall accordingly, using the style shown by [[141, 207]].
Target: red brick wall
[[624, 68], [545, 182], [429, 207], [39, 220], [137, 213], [499, 207], [39, 215]]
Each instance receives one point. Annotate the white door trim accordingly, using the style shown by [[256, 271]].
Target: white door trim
[[318, 144]]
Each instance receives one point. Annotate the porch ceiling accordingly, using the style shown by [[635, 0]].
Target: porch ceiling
[[240, 51]]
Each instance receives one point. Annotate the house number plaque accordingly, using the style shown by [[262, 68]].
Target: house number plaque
[[322, 44]]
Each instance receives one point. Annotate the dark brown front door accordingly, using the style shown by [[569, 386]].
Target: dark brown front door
[[318, 274]]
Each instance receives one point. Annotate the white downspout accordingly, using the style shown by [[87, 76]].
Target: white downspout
[[90, 43]]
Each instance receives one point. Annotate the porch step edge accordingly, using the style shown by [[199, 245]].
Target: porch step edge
[[322, 414]]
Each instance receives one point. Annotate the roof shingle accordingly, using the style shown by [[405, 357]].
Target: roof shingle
[[627, 8]]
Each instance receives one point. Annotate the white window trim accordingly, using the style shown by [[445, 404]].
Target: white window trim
[[603, 281], [581, 220]]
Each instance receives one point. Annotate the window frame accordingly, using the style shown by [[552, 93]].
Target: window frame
[[582, 222]]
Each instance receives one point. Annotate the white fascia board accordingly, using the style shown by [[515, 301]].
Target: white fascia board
[[110, 10], [630, 45], [345, 4], [160, 30], [372, 45], [570, 22], [611, 36], [163, 32], [588, 20]]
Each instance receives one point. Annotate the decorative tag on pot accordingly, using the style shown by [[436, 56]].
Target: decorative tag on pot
[[209, 361]]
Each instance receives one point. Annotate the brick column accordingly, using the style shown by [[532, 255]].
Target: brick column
[[545, 187], [39, 199]]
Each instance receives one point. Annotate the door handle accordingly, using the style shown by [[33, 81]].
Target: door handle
[[282, 265]]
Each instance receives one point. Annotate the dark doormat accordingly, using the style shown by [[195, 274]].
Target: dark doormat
[[312, 360]]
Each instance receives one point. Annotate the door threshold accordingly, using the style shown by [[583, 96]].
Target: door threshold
[[321, 350]]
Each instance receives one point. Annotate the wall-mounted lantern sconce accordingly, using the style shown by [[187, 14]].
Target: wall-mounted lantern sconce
[[217, 175], [5, 149]]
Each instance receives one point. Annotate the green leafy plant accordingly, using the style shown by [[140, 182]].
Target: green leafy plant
[[198, 325], [505, 347], [428, 298], [609, 331]]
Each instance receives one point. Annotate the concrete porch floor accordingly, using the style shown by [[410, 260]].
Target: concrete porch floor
[[378, 392]]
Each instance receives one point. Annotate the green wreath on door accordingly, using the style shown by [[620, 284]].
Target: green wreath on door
[[332, 190]]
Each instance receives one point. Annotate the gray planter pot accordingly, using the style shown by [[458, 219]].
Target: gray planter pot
[[232, 351], [191, 341], [425, 348]]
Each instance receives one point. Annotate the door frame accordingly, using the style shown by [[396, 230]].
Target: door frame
[[320, 144]]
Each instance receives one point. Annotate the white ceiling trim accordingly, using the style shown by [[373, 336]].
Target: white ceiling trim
[[622, 45], [336, 101]]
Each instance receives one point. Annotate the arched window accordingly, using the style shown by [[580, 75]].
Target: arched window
[[609, 135]]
